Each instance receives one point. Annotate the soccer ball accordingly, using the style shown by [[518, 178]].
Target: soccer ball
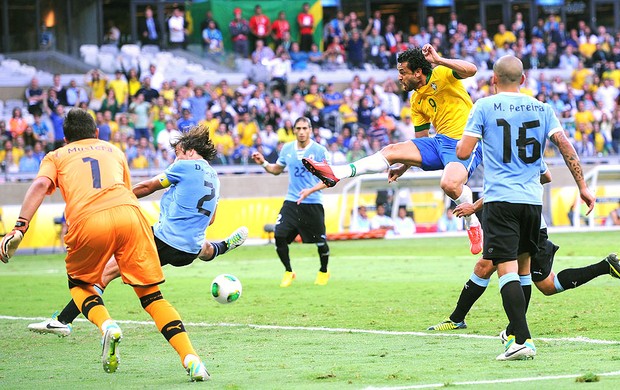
[[226, 288]]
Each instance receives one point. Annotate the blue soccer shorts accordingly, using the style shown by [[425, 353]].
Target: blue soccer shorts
[[440, 150]]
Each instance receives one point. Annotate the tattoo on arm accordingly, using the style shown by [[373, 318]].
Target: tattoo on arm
[[570, 155]]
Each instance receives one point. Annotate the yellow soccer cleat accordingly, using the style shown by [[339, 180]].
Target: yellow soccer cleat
[[287, 279], [321, 278]]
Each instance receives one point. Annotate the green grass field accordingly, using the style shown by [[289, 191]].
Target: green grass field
[[365, 329]]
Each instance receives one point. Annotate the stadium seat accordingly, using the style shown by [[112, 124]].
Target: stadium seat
[[194, 68], [130, 50], [150, 49], [107, 62], [88, 53], [111, 49], [10, 104]]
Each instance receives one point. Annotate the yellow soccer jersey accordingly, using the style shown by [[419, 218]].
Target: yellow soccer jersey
[[444, 102]]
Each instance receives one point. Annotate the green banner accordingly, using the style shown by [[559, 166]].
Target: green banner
[[223, 13]]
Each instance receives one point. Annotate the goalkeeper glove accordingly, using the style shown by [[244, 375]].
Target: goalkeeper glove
[[11, 241]]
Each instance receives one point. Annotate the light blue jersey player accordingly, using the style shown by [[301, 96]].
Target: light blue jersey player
[[299, 177], [513, 128], [302, 212], [188, 205]]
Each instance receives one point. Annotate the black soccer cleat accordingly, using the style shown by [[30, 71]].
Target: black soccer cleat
[[614, 265]]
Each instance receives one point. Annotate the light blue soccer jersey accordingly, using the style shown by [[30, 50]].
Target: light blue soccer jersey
[[187, 207], [299, 177], [513, 128]]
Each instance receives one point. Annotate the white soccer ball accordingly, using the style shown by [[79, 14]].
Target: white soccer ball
[[226, 288]]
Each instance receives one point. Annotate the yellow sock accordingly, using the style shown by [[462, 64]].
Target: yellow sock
[[90, 304], [167, 320]]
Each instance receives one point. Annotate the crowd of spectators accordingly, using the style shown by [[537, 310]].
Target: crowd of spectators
[[141, 113]]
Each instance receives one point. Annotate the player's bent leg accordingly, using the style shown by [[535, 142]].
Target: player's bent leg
[[453, 179], [484, 269], [210, 250], [169, 323], [110, 272], [403, 152], [90, 304], [547, 286], [453, 184]]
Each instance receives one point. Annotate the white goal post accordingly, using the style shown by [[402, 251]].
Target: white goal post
[[601, 175], [413, 180]]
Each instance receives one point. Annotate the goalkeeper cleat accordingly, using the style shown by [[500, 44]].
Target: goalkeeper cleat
[[507, 339], [448, 324], [614, 265], [110, 356], [287, 279], [475, 239], [237, 238], [322, 170], [9, 244], [53, 326], [525, 351], [322, 278], [196, 369]]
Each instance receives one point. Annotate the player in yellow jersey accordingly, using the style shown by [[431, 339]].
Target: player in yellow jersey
[[439, 99], [103, 219]]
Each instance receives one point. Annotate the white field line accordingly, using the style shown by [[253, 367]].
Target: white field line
[[490, 381], [338, 330]]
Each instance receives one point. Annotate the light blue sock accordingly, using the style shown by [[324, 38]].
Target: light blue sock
[[507, 278], [558, 286], [479, 281], [526, 280]]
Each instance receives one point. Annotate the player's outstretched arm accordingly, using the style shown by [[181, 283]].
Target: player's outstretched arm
[[147, 187], [303, 194], [274, 169], [32, 200], [574, 166], [463, 68]]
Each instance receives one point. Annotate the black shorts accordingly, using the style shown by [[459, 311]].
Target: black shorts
[[510, 229], [173, 256], [307, 220], [542, 261]]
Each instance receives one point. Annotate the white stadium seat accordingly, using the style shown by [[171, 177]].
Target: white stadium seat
[[107, 62], [130, 50]]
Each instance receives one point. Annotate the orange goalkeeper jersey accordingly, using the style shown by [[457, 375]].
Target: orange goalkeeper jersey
[[92, 175]]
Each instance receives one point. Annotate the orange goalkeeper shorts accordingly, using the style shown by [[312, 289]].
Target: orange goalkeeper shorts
[[121, 231]]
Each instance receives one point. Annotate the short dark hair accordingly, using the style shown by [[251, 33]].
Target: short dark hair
[[198, 139], [79, 124], [415, 59], [303, 119]]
